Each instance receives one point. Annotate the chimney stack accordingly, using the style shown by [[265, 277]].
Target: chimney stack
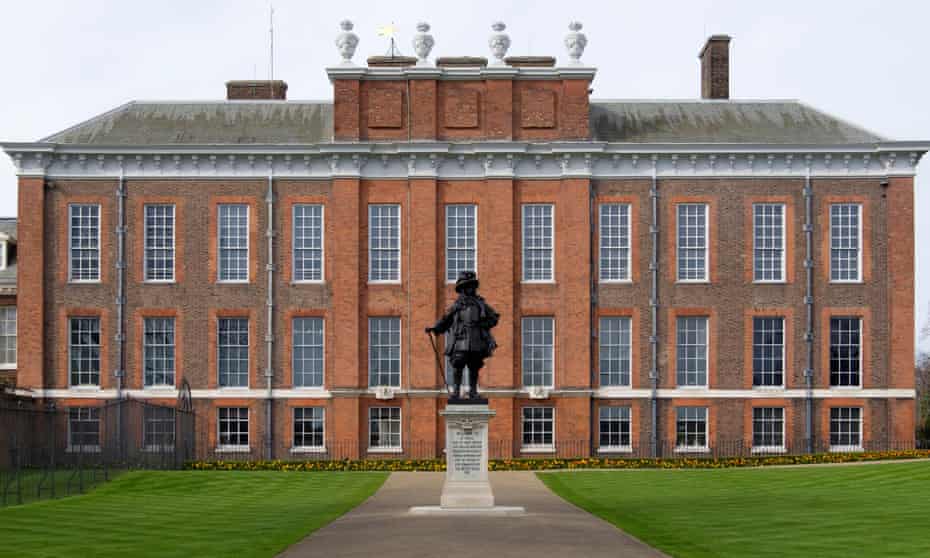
[[715, 68], [266, 89]]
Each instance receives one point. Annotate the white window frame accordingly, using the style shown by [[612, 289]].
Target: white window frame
[[99, 278], [4, 251], [707, 355], [844, 448], [600, 351], [322, 278], [145, 347], [83, 448], [146, 247], [248, 244], [100, 348], [629, 248], [784, 243], [234, 448], [400, 244], [550, 385], [537, 448], [706, 278], [3, 311], [768, 449], [400, 353], [322, 348], [248, 352], [859, 214], [523, 266], [399, 448], [784, 363], [694, 449], [628, 448], [446, 231], [859, 320], [308, 449]]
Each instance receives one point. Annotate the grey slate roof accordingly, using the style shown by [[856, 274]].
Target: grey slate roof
[[310, 122]]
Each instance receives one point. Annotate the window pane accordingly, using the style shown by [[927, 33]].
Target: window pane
[[308, 243], [84, 234], [233, 352], [159, 243], [692, 427], [768, 427], [158, 427], [538, 231], [692, 242], [845, 353], [158, 351], [384, 352], [846, 426], [84, 427], [84, 351], [384, 427], [8, 335], [692, 351], [845, 243], [615, 351], [614, 427], [768, 241], [384, 242], [768, 350], [308, 427], [307, 352], [537, 351], [234, 242], [233, 426], [614, 263], [538, 426], [461, 240]]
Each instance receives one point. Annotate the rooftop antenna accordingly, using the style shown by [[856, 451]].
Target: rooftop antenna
[[271, 39], [390, 31]]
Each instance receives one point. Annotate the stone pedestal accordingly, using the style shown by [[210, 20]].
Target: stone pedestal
[[467, 489]]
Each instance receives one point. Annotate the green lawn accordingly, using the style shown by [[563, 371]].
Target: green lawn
[[185, 513], [862, 510]]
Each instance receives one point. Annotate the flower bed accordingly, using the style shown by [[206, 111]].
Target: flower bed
[[556, 463]]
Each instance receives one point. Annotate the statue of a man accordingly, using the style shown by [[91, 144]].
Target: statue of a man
[[469, 320]]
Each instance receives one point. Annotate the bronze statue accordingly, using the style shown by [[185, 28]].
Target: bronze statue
[[469, 320]]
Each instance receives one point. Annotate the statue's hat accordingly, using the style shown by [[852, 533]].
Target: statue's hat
[[466, 278]]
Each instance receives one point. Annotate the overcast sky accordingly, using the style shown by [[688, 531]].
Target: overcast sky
[[865, 61]]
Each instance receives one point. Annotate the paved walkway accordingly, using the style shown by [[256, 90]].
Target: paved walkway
[[381, 528]]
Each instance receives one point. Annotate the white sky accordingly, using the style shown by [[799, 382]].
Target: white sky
[[864, 61]]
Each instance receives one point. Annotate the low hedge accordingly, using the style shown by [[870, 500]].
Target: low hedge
[[556, 463]]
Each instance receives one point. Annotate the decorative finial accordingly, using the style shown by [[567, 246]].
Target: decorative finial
[[575, 43], [499, 43], [422, 43], [346, 42]]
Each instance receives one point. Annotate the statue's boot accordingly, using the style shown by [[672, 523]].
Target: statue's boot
[[456, 391], [473, 388]]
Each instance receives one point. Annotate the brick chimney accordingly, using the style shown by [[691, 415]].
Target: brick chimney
[[243, 90], [715, 68]]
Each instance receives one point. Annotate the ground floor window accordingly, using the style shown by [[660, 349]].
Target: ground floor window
[[158, 428], [538, 428], [308, 427], [84, 428], [768, 428], [384, 428], [691, 428], [614, 428], [233, 428], [845, 428]]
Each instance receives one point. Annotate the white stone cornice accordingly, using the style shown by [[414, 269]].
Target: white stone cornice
[[597, 160]]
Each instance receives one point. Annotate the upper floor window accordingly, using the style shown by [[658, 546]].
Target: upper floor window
[[233, 243], [233, 352], [538, 242], [768, 242], [614, 262], [307, 352], [384, 243], [846, 242], [84, 351], [538, 349], [845, 351], [308, 242], [615, 351], [461, 239], [84, 242], [692, 242], [384, 352], [768, 351], [158, 351], [7, 337], [159, 243], [692, 351]]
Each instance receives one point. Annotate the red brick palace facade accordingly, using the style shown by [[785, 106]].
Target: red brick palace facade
[[672, 276]]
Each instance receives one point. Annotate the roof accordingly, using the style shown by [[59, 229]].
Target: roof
[[167, 123]]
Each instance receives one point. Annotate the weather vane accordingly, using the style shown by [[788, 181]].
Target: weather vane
[[390, 31]]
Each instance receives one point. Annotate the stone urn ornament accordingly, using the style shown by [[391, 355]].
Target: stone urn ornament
[[422, 43], [575, 43], [346, 42], [499, 43]]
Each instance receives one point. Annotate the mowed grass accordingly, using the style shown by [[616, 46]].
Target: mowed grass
[[862, 510], [185, 513]]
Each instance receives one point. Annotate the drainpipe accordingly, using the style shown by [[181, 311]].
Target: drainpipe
[[120, 336], [654, 310], [594, 324], [269, 323], [809, 305]]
